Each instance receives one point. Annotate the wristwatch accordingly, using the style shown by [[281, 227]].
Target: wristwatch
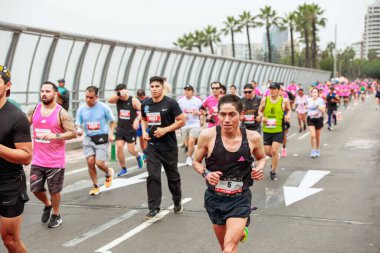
[[58, 136], [205, 173]]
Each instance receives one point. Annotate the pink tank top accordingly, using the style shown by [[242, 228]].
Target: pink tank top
[[48, 153]]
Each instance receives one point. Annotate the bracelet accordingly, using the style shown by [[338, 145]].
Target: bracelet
[[205, 173]]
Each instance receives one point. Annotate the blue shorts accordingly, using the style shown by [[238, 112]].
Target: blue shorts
[[139, 131]]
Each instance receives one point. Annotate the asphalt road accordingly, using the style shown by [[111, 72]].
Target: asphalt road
[[329, 204]]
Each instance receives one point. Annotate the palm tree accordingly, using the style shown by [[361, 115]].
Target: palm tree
[[270, 18], [199, 39], [232, 26], [185, 42], [211, 36], [249, 21], [304, 27], [290, 22], [316, 20]]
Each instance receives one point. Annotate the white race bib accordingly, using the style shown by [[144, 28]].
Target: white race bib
[[271, 123], [229, 187], [125, 114], [153, 118], [93, 126], [249, 119], [40, 133]]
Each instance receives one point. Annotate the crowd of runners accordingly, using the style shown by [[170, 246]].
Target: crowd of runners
[[227, 138]]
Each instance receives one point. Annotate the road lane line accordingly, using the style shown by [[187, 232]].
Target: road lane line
[[100, 229], [291, 136], [136, 230], [303, 136]]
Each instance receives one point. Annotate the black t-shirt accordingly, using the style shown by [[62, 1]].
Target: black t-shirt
[[15, 130], [330, 103], [161, 114], [251, 107], [126, 115]]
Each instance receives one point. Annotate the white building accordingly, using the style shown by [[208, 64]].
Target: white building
[[358, 48], [372, 29]]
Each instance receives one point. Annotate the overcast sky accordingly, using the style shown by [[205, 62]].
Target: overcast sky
[[161, 22]]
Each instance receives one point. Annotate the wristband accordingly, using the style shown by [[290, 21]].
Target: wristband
[[205, 173]]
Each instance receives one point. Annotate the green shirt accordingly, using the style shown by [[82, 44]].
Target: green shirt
[[274, 114]]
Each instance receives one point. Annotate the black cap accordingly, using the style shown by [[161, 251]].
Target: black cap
[[6, 75], [275, 85], [188, 86], [248, 86], [61, 80]]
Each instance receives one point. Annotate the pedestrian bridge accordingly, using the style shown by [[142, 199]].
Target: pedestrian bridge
[[36, 55]]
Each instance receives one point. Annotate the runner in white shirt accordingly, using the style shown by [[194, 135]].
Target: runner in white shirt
[[301, 104], [190, 106]]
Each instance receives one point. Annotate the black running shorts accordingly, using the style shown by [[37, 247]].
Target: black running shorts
[[13, 206], [316, 122], [269, 138], [129, 137], [221, 208]]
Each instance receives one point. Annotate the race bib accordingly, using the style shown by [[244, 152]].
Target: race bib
[[153, 118], [93, 126], [190, 111], [229, 187], [249, 119], [125, 114], [215, 110], [271, 123], [314, 114], [40, 133]]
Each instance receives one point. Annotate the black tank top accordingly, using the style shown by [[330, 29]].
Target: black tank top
[[126, 114], [232, 164]]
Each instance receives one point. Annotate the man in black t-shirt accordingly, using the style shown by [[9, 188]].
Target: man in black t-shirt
[[163, 116], [15, 150], [251, 104], [127, 124]]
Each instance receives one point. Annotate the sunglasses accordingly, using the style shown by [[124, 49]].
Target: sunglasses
[[215, 88], [248, 92], [5, 71]]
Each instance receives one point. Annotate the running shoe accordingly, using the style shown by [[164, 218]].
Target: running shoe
[[189, 161], [152, 215], [312, 154], [178, 208], [94, 191], [245, 236], [109, 178], [284, 153], [330, 128], [317, 153], [123, 172], [55, 221], [46, 214], [140, 161], [273, 175]]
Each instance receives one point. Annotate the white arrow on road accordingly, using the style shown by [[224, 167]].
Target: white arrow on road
[[294, 194]]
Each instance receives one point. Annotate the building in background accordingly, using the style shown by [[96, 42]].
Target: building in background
[[241, 51], [372, 29], [358, 48]]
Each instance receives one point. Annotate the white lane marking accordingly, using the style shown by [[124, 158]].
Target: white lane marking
[[294, 194], [136, 230], [100, 229], [303, 136], [72, 172], [291, 136]]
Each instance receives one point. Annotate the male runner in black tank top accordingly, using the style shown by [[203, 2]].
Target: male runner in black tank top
[[229, 172], [127, 125]]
